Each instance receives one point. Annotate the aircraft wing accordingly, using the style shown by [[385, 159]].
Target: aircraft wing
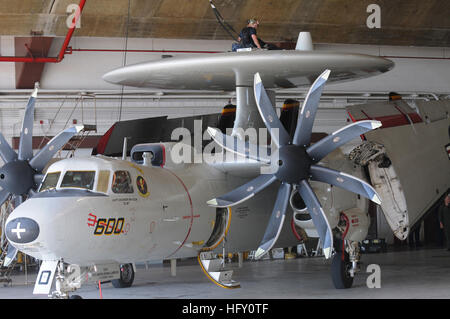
[[414, 172]]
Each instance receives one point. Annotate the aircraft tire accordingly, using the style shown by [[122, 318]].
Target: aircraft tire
[[126, 277], [339, 272]]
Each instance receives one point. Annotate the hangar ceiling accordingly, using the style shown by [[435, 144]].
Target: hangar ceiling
[[406, 23]]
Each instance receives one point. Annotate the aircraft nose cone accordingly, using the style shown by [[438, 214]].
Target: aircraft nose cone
[[22, 230]]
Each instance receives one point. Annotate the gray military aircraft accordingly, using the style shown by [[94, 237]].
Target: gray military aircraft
[[104, 214]]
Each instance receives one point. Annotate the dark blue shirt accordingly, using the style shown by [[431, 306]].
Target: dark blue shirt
[[246, 37]]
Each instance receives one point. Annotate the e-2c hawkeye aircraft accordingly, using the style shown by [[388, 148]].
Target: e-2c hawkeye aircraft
[[94, 218]]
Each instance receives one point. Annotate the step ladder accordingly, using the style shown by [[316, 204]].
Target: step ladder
[[319, 250], [215, 270], [302, 250], [75, 142], [5, 272]]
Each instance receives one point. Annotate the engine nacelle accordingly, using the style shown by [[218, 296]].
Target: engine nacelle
[[357, 224], [303, 219], [297, 203]]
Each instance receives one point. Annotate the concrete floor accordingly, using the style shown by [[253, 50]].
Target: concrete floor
[[404, 274]]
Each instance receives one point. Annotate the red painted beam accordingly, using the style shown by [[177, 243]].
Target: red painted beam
[[70, 50], [29, 73], [28, 59]]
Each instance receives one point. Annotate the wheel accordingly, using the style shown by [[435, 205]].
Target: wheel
[[126, 277], [75, 297], [340, 271]]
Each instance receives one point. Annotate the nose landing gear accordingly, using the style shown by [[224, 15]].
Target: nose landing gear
[[69, 278]]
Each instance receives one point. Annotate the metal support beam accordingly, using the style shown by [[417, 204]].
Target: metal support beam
[[240, 259], [62, 52]]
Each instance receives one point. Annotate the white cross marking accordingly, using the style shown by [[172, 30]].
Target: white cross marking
[[18, 230]]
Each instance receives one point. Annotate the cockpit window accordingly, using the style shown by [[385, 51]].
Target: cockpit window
[[50, 181], [79, 179], [122, 183]]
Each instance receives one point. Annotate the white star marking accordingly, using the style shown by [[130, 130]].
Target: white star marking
[[18, 230]]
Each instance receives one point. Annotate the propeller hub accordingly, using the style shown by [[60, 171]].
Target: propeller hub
[[293, 164], [17, 177]]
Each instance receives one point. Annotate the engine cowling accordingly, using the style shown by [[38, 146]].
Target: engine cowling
[[357, 224], [303, 219]]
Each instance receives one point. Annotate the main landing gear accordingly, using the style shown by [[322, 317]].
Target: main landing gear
[[345, 264], [126, 277]]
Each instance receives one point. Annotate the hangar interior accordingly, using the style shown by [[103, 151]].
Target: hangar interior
[[414, 34]]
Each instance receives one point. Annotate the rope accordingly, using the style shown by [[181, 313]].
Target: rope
[[225, 25], [51, 124]]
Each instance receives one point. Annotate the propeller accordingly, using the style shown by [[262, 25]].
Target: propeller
[[294, 163], [22, 172]]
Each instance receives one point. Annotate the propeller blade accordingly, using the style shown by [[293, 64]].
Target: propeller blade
[[6, 152], [244, 192], [18, 199], [236, 145], [302, 135], [38, 178], [322, 148], [268, 114], [318, 217], [276, 221], [26, 135], [41, 159], [345, 181], [10, 255], [4, 194]]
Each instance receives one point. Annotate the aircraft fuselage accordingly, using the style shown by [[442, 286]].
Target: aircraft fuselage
[[161, 215]]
